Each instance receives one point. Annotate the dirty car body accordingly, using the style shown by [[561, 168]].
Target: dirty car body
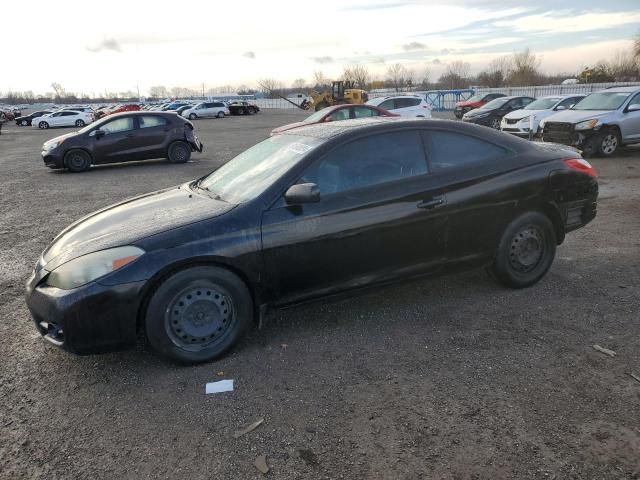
[[435, 207], [123, 137]]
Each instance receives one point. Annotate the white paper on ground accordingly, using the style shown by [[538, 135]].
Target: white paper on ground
[[221, 386]]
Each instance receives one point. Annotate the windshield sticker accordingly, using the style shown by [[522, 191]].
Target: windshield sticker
[[299, 147]]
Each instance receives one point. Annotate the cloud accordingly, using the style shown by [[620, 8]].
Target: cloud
[[249, 54], [413, 46], [445, 51], [325, 59], [436, 61], [108, 44], [567, 21]]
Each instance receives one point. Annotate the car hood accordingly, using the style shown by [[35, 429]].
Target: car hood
[[60, 138], [575, 116], [468, 104], [477, 112], [525, 113], [130, 221]]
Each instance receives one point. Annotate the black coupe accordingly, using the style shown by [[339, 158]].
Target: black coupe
[[314, 211]]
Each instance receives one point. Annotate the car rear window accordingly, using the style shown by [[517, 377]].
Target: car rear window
[[151, 121], [449, 150]]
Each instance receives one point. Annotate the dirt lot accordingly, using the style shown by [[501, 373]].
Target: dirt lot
[[452, 377]]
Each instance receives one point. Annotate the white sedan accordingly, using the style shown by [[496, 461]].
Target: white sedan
[[63, 118], [519, 122]]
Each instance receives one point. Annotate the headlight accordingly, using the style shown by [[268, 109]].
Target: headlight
[[51, 146], [525, 119], [87, 268], [587, 124]]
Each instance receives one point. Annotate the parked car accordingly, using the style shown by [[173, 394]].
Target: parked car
[[519, 122], [123, 137], [206, 110], [181, 109], [311, 212], [336, 113], [407, 106], [174, 106], [79, 109], [477, 101], [63, 118], [243, 108], [129, 107], [25, 120], [598, 124], [490, 114]]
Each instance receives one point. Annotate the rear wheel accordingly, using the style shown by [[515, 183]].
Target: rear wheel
[[24, 123], [77, 161], [192, 116], [179, 152], [220, 115], [526, 251], [43, 125], [252, 111], [198, 314], [495, 123], [80, 123]]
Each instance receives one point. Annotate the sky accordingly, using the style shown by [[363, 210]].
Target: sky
[[118, 46]]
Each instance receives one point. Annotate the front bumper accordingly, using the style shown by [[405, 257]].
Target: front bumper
[[565, 133], [94, 318], [52, 158], [486, 121]]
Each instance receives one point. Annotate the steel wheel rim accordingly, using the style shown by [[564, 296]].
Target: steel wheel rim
[[199, 316], [76, 161], [609, 143], [495, 123], [79, 123], [180, 153], [526, 250]]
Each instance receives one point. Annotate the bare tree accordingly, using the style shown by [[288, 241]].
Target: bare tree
[[623, 67], [524, 69], [636, 48], [270, 86], [358, 74], [59, 90], [396, 76], [299, 84], [320, 79], [495, 74], [425, 78], [158, 91], [456, 75]]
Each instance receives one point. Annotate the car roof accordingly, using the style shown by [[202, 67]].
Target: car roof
[[630, 89]]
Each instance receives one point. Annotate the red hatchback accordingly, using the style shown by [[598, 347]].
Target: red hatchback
[[335, 113], [131, 107]]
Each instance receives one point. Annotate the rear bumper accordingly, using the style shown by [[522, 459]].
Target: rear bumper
[[90, 319]]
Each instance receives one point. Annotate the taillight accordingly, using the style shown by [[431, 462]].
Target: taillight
[[581, 165]]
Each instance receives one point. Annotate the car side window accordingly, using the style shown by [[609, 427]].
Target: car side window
[[449, 150], [368, 161], [69, 114], [341, 114], [218, 104], [118, 125], [635, 100], [362, 112], [151, 121], [387, 105], [567, 102]]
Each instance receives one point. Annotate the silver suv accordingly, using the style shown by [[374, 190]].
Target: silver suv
[[599, 123]]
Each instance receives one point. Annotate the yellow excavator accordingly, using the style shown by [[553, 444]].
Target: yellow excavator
[[341, 92]]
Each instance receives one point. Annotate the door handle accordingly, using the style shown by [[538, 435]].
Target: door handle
[[434, 202]]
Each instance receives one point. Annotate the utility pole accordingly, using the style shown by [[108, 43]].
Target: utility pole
[[202, 90]]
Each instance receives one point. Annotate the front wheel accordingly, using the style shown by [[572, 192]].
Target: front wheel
[[526, 251], [43, 125], [24, 123], [77, 161], [609, 143], [192, 116], [198, 314], [220, 115], [252, 111], [179, 152], [495, 124]]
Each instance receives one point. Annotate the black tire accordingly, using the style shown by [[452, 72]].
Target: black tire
[[24, 123], [192, 116], [608, 142], [80, 123], [198, 314], [220, 115], [43, 125], [526, 251], [495, 123], [252, 111], [179, 152], [321, 105], [77, 161]]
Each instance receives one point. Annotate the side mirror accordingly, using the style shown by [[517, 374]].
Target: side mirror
[[633, 108], [559, 108], [328, 119], [99, 133], [302, 193]]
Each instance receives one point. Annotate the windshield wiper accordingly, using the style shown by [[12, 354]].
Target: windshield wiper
[[206, 191]]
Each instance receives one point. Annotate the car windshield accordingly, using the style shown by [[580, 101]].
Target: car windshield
[[315, 117], [253, 171], [602, 101], [542, 104], [497, 103], [475, 98]]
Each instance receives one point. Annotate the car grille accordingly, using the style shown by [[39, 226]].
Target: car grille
[[511, 121], [558, 132], [507, 129]]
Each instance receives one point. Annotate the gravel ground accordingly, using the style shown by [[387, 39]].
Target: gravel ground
[[453, 377]]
